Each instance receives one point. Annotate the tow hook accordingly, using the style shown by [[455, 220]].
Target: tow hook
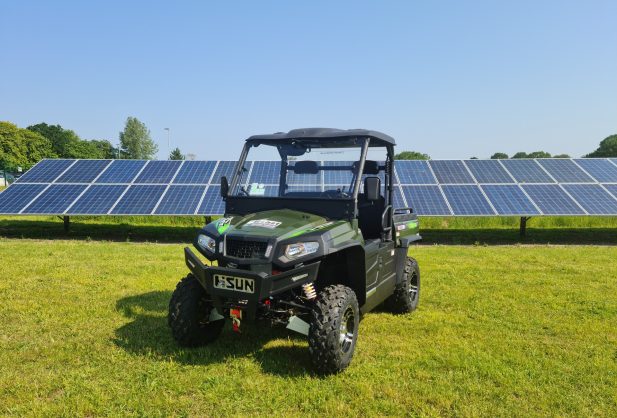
[[236, 317]]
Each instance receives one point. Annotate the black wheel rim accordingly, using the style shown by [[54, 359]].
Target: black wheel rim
[[348, 325], [413, 286]]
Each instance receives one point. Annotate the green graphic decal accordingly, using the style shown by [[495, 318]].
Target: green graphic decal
[[222, 224]]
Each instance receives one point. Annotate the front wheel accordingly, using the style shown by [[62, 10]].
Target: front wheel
[[189, 315], [333, 329], [406, 294]]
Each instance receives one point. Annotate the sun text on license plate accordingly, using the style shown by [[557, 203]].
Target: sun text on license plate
[[239, 284]]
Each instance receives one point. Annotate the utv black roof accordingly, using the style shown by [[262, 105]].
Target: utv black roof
[[317, 135]]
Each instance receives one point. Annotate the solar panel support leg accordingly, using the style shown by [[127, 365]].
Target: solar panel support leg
[[523, 228], [67, 223], [208, 219]]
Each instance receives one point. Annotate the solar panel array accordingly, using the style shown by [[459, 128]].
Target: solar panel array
[[521, 187]]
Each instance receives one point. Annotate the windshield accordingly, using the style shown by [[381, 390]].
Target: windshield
[[299, 172]]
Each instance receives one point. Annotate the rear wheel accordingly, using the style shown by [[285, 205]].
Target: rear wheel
[[189, 314], [407, 293], [333, 329]]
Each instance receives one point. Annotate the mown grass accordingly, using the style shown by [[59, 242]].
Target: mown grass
[[489, 230], [501, 331]]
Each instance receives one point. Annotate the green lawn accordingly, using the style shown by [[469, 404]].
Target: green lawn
[[501, 330]]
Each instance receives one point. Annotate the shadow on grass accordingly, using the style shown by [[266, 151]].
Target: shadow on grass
[[122, 232], [148, 335]]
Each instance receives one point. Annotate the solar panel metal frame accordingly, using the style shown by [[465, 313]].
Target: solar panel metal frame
[[212, 186]]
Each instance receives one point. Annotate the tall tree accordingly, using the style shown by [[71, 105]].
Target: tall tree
[[607, 148], [21, 147], [411, 155], [63, 141], [561, 156], [499, 156], [520, 154], [539, 154], [176, 154], [135, 140]]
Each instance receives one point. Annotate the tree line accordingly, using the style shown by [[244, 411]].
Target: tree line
[[606, 149], [24, 147]]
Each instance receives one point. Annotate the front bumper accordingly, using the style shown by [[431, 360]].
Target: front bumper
[[265, 285]]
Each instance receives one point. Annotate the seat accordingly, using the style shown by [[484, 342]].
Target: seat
[[369, 214]]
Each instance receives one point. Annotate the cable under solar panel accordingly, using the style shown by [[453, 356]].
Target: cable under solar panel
[[552, 200], [593, 198], [509, 199], [602, 170]]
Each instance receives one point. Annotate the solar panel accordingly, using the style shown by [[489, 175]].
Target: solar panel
[[414, 172], [293, 178], [509, 199], [265, 172], [451, 172], [180, 200], [195, 172], [13, 199], [97, 200], [426, 200], [612, 188], [121, 171], [294, 188], [158, 172], [467, 200], [613, 160], [226, 168], [593, 198], [552, 200], [488, 171], [343, 176], [46, 171], [564, 170], [527, 171], [139, 200], [397, 199], [602, 170], [213, 202], [56, 199], [83, 171]]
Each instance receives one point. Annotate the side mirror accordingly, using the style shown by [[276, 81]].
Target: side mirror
[[224, 187], [371, 188]]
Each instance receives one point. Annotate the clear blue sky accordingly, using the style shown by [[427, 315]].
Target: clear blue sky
[[453, 79]]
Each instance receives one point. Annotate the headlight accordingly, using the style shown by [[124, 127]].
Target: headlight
[[300, 249], [206, 243]]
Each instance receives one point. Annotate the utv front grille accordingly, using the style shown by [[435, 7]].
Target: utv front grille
[[245, 249]]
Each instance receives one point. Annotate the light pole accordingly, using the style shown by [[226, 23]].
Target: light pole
[[168, 149]]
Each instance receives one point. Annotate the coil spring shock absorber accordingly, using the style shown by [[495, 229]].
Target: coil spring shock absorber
[[309, 291]]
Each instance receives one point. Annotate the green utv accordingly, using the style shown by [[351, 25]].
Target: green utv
[[311, 243]]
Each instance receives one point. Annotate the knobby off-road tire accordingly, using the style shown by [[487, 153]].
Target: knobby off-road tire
[[333, 329], [407, 293], [189, 313]]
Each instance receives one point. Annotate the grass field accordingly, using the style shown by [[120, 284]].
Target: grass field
[[501, 331]]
